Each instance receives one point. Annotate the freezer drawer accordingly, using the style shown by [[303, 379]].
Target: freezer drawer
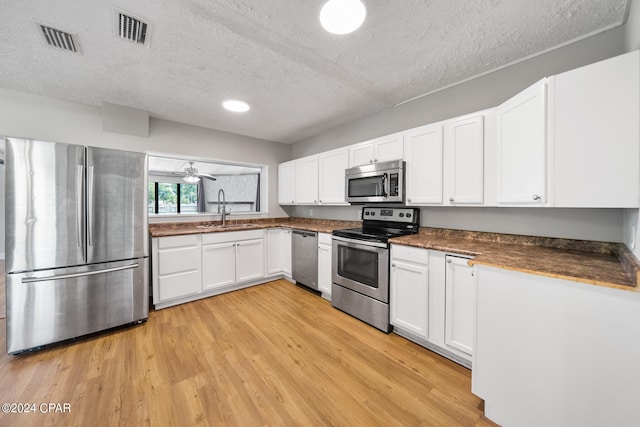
[[54, 305]]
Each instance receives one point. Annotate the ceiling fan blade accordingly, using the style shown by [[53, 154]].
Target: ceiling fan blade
[[206, 175]]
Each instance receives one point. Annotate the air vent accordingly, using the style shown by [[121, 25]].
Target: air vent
[[131, 28], [58, 38]]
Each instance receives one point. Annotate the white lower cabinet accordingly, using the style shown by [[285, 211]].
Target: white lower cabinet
[[190, 267], [279, 251], [175, 267], [432, 300], [409, 295], [324, 264], [459, 304], [231, 258]]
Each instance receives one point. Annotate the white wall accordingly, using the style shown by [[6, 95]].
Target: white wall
[[631, 232], [31, 116], [581, 224], [484, 92]]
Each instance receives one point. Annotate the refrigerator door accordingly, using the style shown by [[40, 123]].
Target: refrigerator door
[[44, 201], [116, 205], [54, 305]]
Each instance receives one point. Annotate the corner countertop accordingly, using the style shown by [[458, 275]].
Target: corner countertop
[[200, 227], [597, 263]]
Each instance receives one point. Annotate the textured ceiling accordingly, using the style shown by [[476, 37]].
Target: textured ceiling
[[299, 79]]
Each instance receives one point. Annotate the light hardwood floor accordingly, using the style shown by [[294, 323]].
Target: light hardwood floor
[[272, 354]]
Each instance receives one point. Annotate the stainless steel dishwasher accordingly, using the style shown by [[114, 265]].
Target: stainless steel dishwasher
[[304, 256]]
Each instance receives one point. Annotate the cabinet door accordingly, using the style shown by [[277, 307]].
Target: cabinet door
[[218, 265], [388, 148], [522, 147], [324, 269], [286, 241], [424, 160], [249, 260], [409, 297], [460, 302], [331, 166], [287, 183], [306, 181], [596, 134], [275, 251], [464, 161], [361, 154]]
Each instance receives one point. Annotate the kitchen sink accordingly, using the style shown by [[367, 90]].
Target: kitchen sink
[[224, 227]]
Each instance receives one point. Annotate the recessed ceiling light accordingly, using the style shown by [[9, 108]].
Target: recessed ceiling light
[[342, 16], [236, 106]]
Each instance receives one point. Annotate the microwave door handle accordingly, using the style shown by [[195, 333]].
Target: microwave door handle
[[385, 182]]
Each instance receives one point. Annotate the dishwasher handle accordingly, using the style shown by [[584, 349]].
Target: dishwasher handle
[[303, 233]]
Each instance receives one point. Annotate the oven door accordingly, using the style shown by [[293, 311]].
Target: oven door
[[361, 266]]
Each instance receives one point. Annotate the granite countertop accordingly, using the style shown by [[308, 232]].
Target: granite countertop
[[597, 263], [200, 227]]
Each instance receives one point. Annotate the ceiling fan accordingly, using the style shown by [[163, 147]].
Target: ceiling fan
[[191, 174]]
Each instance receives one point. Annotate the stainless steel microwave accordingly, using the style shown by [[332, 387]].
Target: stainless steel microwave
[[377, 182]]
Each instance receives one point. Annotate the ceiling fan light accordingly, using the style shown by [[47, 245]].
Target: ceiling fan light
[[192, 179], [342, 16]]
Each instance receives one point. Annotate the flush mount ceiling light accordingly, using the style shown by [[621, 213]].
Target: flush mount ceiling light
[[342, 16], [236, 106]]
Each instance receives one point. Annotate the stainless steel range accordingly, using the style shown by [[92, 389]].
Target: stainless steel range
[[360, 267]]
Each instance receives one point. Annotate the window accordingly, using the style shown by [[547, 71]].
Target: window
[[172, 198], [168, 193]]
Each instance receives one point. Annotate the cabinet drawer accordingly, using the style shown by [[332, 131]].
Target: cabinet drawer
[[171, 261], [178, 241], [231, 236], [324, 238], [408, 253], [178, 285]]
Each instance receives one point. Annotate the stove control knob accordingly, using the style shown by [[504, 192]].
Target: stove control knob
[[408, 215], [366, 213], [401, 215], [373, 214]]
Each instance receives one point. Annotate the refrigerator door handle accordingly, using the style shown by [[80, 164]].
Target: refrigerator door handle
[[72, 275], [90, 205], [79, 181]]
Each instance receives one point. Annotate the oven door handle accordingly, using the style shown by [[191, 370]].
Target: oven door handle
[[360, 242]]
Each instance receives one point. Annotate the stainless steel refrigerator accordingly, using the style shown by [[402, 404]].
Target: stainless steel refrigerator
[[76, 241]]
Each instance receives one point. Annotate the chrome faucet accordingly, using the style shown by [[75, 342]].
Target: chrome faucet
[[224, 206]]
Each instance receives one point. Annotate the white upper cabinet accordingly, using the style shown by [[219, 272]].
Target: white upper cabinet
[[287, 183], [464, 161], [523, 148], [383, 149], [423, 149], [331, 166], [597, 134], [306, 180]]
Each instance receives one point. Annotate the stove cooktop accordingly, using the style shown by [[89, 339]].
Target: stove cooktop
[[381, 224]]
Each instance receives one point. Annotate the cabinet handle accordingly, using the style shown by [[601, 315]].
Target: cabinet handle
[[393, 265], [536, 197], [315, 201], [375, 160], [451, 199], [449, 261], [409, 200], [292, 201], [319, 201]]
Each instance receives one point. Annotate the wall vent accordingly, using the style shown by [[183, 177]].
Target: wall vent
[[58, 38], [131, 28]]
